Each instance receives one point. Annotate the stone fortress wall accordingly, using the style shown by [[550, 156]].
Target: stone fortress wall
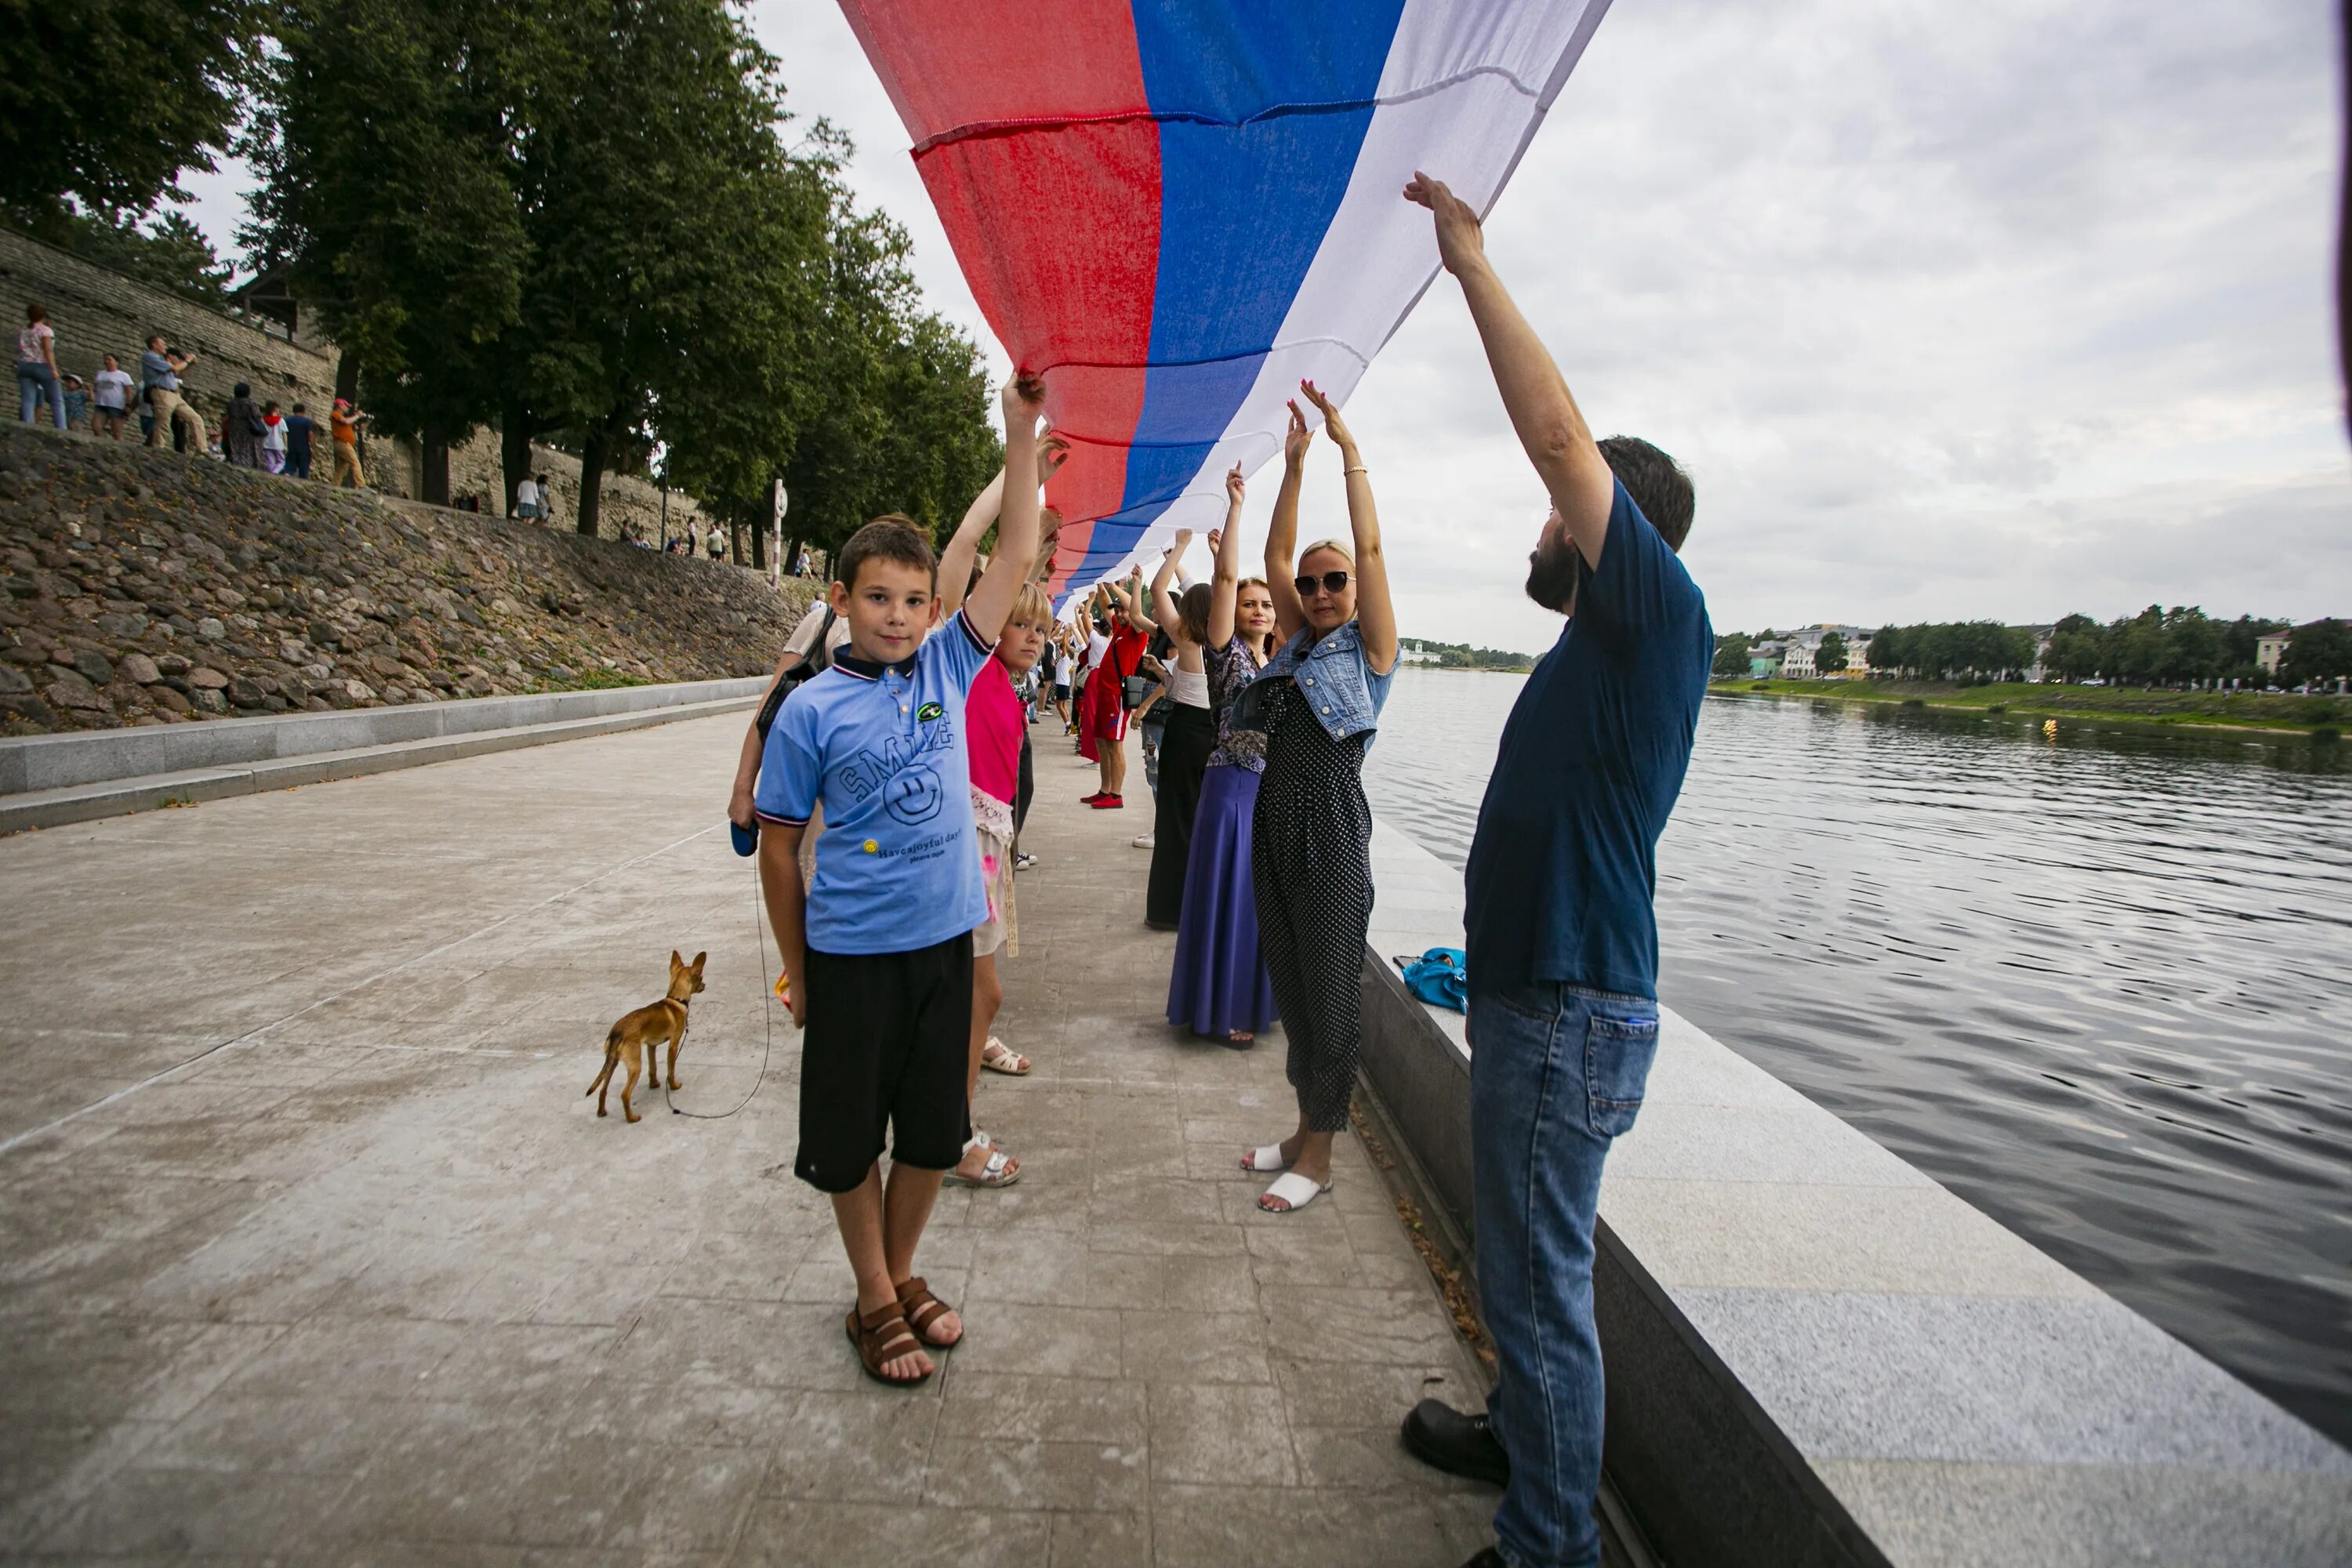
[[97, 311]]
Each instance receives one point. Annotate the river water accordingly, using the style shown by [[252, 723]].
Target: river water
[[2099, 983]]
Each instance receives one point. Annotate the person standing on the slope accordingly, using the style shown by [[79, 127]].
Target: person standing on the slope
[[1561, 942]]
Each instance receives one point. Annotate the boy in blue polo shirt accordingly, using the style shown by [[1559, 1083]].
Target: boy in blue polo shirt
[[877, 947]]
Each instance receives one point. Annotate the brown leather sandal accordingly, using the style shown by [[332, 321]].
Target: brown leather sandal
[[923, 1309], [882, 1336]]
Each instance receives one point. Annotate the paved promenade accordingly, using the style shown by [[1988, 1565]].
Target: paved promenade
[[370, 1283]]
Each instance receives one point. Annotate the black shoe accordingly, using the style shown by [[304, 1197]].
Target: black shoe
[[1460, 1445], [1490, 1558]]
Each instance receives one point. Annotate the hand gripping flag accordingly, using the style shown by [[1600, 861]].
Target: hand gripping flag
[[1176, 211]]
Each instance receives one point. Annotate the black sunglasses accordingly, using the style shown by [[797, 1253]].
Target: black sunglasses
[[1330, 582]]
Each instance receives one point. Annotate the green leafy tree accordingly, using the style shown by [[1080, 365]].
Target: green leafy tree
[[383, 149], [2317, 653], [1888, 650], [2192, 644], [2078, 649], [1830, 659], [1731, 653], [902, 422], [2136, 647], [646, 131], [105, 104]]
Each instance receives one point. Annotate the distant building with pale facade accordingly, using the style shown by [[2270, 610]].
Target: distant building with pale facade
[[1800, 648]]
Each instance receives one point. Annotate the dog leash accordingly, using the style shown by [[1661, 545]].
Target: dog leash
[[767, 1014]]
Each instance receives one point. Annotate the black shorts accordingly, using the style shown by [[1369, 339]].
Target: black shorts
[[887, 1041], [1061, 692]]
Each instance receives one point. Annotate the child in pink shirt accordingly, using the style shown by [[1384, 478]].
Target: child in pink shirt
[[995, 723]]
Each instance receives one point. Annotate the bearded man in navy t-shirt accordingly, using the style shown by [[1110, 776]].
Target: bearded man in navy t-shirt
[[1560, 938]]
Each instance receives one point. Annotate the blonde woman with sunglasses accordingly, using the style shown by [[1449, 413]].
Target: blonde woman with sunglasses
[[1317, 701]]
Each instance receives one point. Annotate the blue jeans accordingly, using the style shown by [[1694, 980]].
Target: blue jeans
[[35, 381], [1556, 1074]]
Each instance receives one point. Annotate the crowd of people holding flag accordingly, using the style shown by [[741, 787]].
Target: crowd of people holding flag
[[885, 785]]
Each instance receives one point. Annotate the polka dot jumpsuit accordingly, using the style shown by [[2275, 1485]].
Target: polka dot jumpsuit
[[1311, 867]]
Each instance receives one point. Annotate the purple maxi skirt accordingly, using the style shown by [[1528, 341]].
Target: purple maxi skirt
[[1220, 982]]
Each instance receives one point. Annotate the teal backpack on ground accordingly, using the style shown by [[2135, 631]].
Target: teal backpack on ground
[[1439, 977]]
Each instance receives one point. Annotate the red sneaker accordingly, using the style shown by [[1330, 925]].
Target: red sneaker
[[1090, 799], [1107, 803]]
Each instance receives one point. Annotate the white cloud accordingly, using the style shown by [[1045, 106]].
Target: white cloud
[[1998, 311]]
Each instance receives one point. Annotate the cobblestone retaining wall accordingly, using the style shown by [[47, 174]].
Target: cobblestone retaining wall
[[144, 587]]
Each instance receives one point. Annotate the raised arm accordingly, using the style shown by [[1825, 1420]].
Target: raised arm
[[1375, 615], [1535, 394], [1128, 597], [1282, 533], [1225, 562], [1163, 603], [955, 560], [1016, 526]]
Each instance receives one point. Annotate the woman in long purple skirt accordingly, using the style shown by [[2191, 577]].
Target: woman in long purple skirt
[[1219, 987]]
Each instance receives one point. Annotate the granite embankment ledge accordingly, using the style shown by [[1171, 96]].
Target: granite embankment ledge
[[49, 781], [1818, 1355]]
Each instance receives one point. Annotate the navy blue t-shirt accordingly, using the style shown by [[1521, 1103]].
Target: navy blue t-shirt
[[1562, 875], [298, 435]]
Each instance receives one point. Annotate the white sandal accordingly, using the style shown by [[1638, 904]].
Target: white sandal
[[998, 1056], [1002, 1170], [1267, 1159], [1295, 1190]]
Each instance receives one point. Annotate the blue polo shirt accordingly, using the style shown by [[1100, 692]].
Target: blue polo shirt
[[898, 867], [1563, 872]]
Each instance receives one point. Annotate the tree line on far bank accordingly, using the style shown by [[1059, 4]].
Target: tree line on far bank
[[2180, 647], [573, 222]]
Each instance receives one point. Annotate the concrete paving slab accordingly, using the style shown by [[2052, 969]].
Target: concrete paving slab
[[349, 1271]]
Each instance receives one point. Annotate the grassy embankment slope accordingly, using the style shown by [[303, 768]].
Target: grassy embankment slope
[[2283, 713]]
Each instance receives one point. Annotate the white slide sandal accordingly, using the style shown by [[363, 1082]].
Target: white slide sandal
[[1266, 1158], [1295, 1190]]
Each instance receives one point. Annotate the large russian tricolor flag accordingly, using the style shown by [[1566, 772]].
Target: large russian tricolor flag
[[1175, 211]]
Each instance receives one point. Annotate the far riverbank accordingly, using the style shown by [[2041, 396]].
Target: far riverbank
[[2280, 713]]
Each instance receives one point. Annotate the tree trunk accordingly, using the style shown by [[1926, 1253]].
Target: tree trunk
[[591, 479], [514, 451], [735, 541], [347, 377], [434, 472], [760, 547]]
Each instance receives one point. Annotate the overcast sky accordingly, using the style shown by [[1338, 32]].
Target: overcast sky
[[1997, 311]]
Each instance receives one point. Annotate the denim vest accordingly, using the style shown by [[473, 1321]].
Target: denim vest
[[1332, 674]]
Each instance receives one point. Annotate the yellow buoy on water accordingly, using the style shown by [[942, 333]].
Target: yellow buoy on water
[[2050, 728]]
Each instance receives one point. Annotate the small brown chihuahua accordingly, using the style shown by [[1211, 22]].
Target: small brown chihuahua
[[644, 1030]]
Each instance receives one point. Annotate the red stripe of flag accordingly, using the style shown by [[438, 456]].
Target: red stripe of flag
[[1040, 155]]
